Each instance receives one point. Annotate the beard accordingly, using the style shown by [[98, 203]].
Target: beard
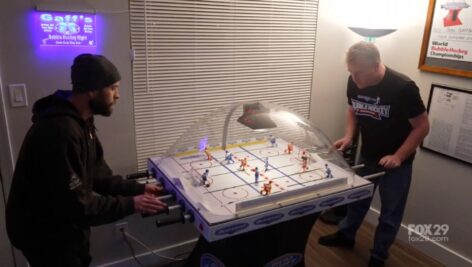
[[99, 106]]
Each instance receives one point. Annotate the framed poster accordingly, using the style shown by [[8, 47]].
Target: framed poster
[[447, 38], [450, 116]]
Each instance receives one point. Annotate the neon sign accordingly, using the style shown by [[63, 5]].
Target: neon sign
[[65, 29]]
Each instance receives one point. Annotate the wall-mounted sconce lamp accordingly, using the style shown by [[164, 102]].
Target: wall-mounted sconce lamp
[[372, 18]]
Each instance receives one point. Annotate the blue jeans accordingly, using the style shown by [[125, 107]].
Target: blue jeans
[[393, 190]]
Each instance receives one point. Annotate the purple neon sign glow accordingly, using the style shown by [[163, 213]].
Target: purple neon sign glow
[[65, 29]]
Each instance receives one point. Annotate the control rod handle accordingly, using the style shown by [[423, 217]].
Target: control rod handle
[[168, 221], [134, 176]]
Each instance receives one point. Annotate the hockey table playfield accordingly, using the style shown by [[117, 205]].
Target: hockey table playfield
[[230, 202]]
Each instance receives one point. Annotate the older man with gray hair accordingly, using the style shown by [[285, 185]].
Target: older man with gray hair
[[387, 108]]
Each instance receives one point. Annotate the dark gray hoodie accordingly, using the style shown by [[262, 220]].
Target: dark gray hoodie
[[62, 185]]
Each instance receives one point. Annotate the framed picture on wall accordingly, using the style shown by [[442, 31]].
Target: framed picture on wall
[[447, 39], [450, 116]]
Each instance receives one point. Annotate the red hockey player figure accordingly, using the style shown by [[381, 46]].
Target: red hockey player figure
[[289, 148], [243, 164], [207, 153], [304, 161], [266, 188]]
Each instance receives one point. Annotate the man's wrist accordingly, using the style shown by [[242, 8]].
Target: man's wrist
[[399, 156]]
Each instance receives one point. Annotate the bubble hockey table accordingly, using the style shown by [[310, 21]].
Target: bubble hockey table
[[238, 225]]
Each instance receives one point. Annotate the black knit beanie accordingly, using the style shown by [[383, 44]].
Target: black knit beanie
[[92, 72]]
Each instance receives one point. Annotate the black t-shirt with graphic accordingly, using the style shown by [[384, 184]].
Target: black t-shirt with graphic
[[382, 112]]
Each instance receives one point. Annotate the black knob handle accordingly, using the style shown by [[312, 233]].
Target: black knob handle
[[182, 219], [168, 221], [137, 175]]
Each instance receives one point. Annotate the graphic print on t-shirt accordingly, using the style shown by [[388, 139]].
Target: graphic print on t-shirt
[[369, 106]]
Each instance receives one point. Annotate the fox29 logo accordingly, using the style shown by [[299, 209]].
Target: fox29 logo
[[428, 232]]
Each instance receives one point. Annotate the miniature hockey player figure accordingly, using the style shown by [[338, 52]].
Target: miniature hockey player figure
[[328, 173], [304, 161], [266, 188], [273, 141], [229, 157], [289, 148], [205, 177], [266, 164], [207, 153], [256, 175], [243, 164]]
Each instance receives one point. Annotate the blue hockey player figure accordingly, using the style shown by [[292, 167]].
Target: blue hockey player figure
[[266, 163], [229, 157], [328, 172], [256, 175], [205, 178], [273, 141]]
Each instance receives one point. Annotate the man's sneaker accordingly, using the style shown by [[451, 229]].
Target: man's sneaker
[[336, 240], [374, 262]]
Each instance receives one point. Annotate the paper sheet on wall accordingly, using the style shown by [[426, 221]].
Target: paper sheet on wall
[[450, 114]]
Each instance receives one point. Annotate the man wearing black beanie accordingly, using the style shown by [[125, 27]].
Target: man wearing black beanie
[[95, 74], [62, 185]]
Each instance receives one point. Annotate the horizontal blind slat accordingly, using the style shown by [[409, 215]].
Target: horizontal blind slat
[[193, 56]]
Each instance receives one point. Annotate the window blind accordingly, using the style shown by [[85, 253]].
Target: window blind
[[192, 57]]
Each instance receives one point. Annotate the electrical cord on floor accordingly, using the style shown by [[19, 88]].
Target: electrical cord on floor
[[127, 236], [133, 253]]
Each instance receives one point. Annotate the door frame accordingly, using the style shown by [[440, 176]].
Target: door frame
[[7, 163]]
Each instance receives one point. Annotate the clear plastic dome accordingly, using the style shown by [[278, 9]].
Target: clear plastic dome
[[244, 124], [257, 147]]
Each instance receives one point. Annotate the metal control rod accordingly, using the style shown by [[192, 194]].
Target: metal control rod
[[173, 207], [166, 197], [355, 167], [368, 177], [188, 217]]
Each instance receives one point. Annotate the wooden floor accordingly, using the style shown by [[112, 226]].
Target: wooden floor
[[401, 254]]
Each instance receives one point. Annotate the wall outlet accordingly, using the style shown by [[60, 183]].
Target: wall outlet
[[119, 229]]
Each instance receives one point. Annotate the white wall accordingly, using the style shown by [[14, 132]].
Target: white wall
[[44, 71], [440, 191]]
